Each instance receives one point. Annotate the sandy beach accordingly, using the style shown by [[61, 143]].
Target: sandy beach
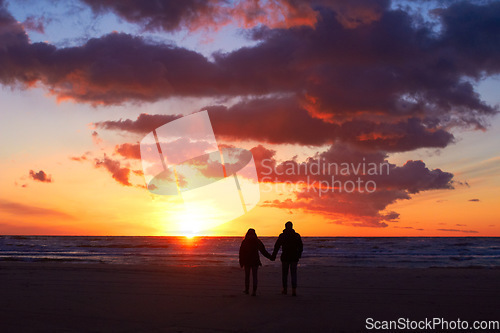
[[62, 297]]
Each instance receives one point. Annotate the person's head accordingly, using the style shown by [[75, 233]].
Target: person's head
[[289, 225], [251, 234]]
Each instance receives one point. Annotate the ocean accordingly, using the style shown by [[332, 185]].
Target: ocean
[[397, 252]]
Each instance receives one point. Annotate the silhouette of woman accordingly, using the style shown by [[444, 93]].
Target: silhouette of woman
[[249, 258]]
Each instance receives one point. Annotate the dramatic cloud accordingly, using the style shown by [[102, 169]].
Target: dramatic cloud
[[390, 84], [281, 121], [344, 162], [325, 183], [165, 15], [348, 185], [171, 15], [385, 70], [111, 69], [40, 176], [354, 207], [118, 172]]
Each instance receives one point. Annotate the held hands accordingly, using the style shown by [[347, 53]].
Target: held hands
[[273, 257]]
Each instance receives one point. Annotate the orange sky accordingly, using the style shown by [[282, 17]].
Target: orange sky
[[73, 93], [83, 200]]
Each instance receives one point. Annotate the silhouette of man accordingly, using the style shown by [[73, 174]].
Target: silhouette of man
[[291, 251]]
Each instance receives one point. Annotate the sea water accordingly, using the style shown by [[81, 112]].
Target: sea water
[[198, 251]]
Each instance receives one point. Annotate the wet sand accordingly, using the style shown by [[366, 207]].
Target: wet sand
[[64, 297]]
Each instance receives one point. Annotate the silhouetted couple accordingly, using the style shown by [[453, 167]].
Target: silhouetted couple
[[291, 250]]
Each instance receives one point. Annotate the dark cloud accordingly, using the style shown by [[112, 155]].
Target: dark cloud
[[383, 84], [107, 70], [40, 176], [367, 209], [20, 209], [391, 85], [117, 171], [261, 153], [282, 121], [144, 124], [168, 15], [389, 69], [172, 15], [272, 120], [337, 201], [360, 208], [474, 200], [473, 33], [385, 70], [412, 177]]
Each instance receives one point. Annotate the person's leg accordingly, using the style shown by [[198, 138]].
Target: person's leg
[[247, 278], [293, 273], [255, 270], [284, 275]]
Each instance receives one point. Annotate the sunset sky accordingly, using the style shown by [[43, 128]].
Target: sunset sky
[[412, 83]]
